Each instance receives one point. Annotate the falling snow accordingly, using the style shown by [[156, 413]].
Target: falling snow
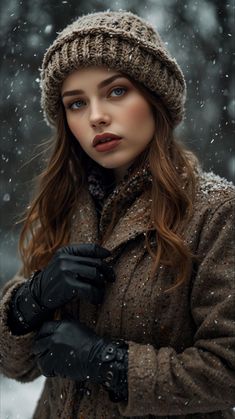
[[199, 37]]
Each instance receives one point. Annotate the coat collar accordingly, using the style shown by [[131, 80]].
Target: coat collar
[[132, 198]]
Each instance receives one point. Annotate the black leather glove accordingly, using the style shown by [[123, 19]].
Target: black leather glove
[[77, 269], [72, 350]]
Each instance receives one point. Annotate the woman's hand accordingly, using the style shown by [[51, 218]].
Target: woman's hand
[[72, 350], [75, 270], [67, 349]]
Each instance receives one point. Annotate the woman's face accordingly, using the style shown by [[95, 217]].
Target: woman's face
[[98, 100]]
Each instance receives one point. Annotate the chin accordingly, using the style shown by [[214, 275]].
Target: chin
[[106, 165]]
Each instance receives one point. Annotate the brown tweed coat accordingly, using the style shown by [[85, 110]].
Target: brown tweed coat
[[181, 345]]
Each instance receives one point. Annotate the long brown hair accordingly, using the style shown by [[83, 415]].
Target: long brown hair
[[47, 226]]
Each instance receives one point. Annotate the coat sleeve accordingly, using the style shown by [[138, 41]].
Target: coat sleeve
[[202, 377], [16, 358]]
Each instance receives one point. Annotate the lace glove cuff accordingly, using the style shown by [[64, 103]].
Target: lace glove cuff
[[114, 358]]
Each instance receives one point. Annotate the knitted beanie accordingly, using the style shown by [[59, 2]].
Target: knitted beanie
[[117, 40]]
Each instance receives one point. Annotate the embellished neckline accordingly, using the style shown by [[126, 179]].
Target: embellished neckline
[[101, 181]]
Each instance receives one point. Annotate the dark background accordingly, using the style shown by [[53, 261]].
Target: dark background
[[197, 33]]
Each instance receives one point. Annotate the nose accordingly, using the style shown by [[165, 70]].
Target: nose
[[98, 115]]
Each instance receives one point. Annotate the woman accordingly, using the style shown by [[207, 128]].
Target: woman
[[125, 298]]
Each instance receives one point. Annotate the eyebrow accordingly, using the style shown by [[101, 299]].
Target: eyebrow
[[100, 85]]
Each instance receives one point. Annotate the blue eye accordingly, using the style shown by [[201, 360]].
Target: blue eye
[[122, 89], [71, 106]]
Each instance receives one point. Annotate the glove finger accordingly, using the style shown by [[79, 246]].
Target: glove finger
[[84, 273], [86, 267], [97, 295], [88, 273], [41, 346], [85, 249], [91, 293], [78, 282], [46, 365], [48, 328], [89, 261]]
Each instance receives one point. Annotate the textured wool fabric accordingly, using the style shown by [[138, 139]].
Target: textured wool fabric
[[119, 40], [181, 345], [101, 182]]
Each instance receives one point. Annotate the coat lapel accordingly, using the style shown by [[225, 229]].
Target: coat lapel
[[84, 226], [133, 213], [128, 226]]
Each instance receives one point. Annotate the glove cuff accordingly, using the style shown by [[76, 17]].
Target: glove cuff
[[26, 314], [114, 367]]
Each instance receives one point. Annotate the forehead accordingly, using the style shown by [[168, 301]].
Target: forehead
[[84, 76]]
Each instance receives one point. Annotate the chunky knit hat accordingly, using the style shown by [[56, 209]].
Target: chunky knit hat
[[119, 40]]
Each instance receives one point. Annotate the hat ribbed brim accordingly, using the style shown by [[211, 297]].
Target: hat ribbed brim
[[143, 61]]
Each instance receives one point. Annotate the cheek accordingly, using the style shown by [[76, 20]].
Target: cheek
[[72, 125], [138, 112]]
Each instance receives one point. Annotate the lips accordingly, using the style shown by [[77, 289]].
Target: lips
[[105, 137], [109, 145]]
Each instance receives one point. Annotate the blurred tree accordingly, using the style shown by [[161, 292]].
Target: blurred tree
[[204, 30]]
